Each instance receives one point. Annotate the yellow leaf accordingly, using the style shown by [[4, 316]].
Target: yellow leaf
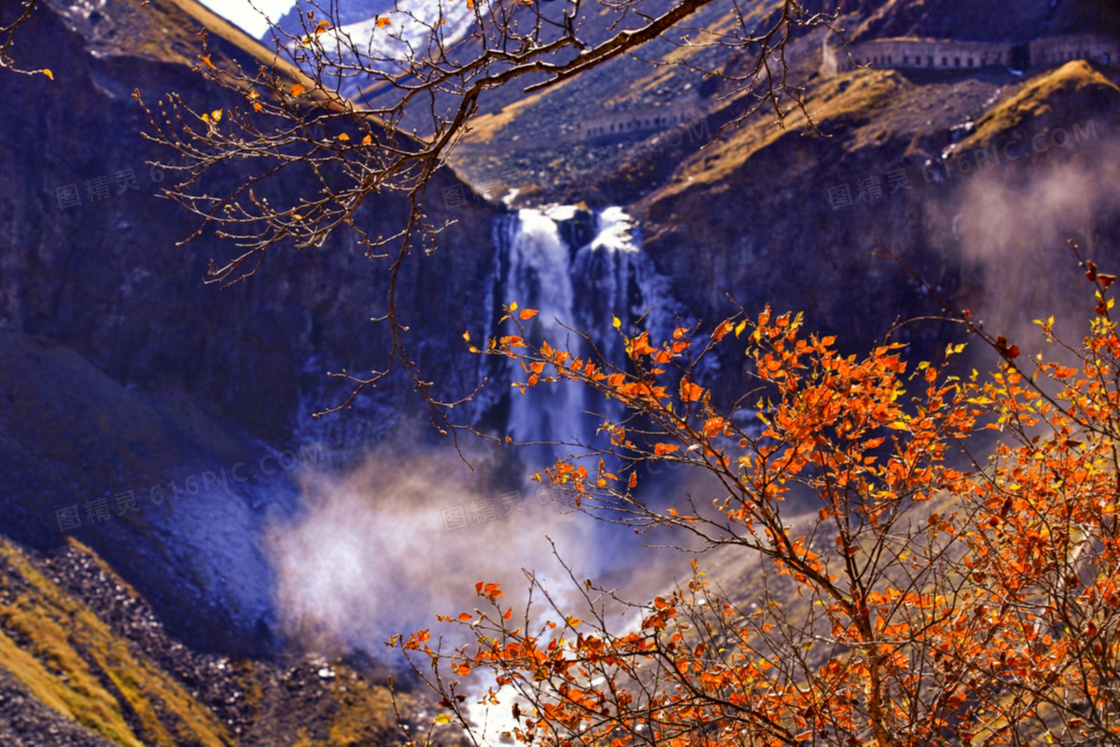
[[216, 115], [740, 327], [383, 21], [467, 336], [616, 322], [47, 72], [344, 137], [443, 718], [513, 306]]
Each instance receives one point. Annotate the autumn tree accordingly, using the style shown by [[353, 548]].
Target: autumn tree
[[929, 595]]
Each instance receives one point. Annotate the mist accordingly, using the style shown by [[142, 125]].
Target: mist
[[370, 553], [1014, 227]]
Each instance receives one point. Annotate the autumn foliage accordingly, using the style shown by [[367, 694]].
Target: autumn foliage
[[940, 590]]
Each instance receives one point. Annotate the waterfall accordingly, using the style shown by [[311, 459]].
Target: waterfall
[[579, 269]]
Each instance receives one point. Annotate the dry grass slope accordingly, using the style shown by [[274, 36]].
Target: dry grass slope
[[73, 662]]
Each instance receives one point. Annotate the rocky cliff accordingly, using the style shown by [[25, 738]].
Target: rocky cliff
[[107, 277], [124, 374]]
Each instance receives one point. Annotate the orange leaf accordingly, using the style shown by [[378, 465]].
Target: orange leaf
[[47, 72], [663, 449], [367, 140], [297, 89], [690, 392], [722, 330], [528, 313], [508, 614], [383, 21], [465, 617]]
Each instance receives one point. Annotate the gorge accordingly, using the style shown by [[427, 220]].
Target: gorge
[[257, 608]]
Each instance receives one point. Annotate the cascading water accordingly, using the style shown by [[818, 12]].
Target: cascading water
[[539, 274], [579, 269]]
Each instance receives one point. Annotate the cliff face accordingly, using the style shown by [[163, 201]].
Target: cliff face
[[107, 278], [795, 220], [162, 376], [149, 415]]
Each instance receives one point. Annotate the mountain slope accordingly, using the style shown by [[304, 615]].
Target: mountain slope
[[85, 662], [123, 371]]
